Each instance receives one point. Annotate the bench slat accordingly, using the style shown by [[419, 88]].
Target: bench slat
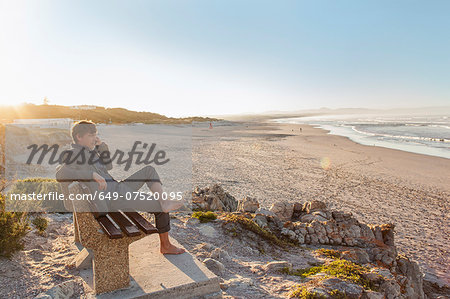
[[109, 228], [141, 222], [125, 224]]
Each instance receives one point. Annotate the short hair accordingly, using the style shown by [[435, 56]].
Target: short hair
[[82, 128]]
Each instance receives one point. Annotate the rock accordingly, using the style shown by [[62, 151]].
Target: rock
[[335, 238], [391, 289], [191, 222], [301, 239], [385, 273], [297, 207], [354, 231], [387, 260], [239, 282], [215, 266], [63, 290], [321, 214], [282, 210], [213, 198], [215, 204], [358, 256], [351, 290], [372, 295], [289, 233], [366, 232], [315, 205], [261, 220], [314, 239], [265, 212], [411, 270], [340, 216], [206, 246], [208, 231], [43, 296], [387, 230], [220, 254], [307, 218], [310, 229], [277, 266], [373, 277], [297, 210], [248, 204]]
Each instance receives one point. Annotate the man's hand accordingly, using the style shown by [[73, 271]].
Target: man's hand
[[100, 180], [98, 140]]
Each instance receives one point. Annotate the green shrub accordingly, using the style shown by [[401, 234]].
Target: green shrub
[[302, 292], [338, 268], [336, 294], [204, 216], [40, 223], [250, 225], [38, 186], [13, 227], [330, 253]]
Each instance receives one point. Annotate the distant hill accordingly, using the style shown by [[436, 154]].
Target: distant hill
[[96, 114]]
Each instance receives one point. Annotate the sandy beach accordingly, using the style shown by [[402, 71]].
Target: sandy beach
[[271, 162], [275, 162]]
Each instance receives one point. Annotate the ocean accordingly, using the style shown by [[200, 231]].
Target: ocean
[[423, 134]]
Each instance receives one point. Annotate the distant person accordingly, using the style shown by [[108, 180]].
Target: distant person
[[210, 125], [95, 176]]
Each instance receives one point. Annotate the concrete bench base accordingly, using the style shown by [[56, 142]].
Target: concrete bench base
[[154, 275], [110, 258]]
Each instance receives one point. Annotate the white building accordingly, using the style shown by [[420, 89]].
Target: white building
[[45, 122], [83, 107]]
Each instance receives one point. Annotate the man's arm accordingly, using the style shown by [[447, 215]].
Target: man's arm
[[69, 172], [105, 155]]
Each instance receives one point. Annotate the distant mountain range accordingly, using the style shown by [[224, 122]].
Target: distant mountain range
[[441, 110]]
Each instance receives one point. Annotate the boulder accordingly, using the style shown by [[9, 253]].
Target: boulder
[[411, 270], [315, 205], [261, 220], [265, 212], [213, 198], [356, 255], [220, 254], [372, 295], [351, 290], [277, 266], [282, 210], [248, 204], [215, 266]]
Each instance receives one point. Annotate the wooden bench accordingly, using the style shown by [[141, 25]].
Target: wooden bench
[[108, 236]]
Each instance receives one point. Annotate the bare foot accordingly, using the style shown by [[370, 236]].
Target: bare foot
[[171, 249]]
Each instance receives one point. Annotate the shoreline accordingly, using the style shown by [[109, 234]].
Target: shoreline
[[364, 138]]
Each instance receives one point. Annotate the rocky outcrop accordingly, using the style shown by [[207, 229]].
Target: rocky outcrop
[[213, 198], [365, 255]]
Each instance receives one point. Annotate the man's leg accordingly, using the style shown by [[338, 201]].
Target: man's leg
[[149, 176]]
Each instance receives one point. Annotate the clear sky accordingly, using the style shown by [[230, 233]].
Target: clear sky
[[185, 58]]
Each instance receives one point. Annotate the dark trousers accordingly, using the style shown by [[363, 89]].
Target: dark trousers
[[146, 175]]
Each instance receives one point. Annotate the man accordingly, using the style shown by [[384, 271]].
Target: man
[[94, 174]]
